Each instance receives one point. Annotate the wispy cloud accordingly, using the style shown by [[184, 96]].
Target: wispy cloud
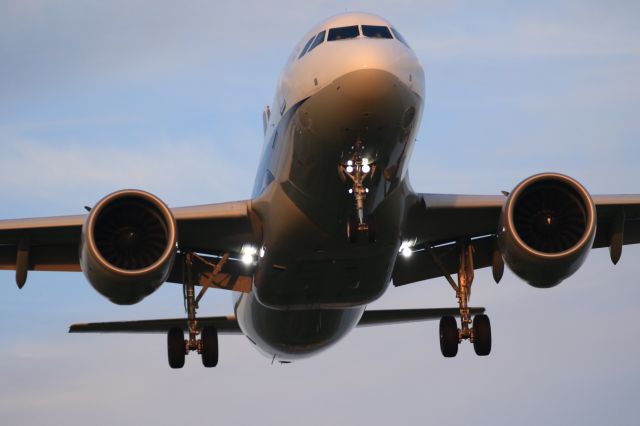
[[176, 170]]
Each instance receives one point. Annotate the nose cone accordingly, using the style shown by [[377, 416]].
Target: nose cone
[[346, 56]]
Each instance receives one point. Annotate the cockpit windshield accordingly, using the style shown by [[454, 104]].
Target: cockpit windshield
[[342, 33], [352, 31], [319, 39], [399, 37], [376, 31], [306, 47]]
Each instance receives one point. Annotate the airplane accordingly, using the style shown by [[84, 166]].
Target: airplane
[[331, 222]]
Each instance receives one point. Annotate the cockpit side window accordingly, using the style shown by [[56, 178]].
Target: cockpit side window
[[306, 46], [319, 39], [376, 31], [399, 37], [342, 33]]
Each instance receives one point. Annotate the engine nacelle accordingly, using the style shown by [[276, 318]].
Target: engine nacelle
[[128, 245], [547, 228]]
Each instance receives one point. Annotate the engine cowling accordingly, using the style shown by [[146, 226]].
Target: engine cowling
[[128, 245], [547, 228]]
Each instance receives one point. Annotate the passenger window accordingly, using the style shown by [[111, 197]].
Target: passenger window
[[399, 37], [306, 46], [319, 39], [342, 33], [376, 31]]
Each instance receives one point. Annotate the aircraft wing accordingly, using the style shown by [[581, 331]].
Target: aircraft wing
[[436, 221], [52, 243]]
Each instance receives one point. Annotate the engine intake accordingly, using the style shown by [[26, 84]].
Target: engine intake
[[547, 228], [128, 245]]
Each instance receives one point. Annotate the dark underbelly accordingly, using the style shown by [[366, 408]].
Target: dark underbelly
[[291, 335]]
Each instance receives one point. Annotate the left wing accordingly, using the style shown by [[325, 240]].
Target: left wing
[[436, 221], [52, 243]]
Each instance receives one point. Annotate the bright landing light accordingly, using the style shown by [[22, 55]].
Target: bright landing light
[[248, 254], [405, 249]]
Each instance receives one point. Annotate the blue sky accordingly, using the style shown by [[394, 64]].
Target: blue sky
[[167, 97]]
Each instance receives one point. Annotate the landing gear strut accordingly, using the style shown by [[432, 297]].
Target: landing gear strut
[[356, 169], [207, 345], [480, 333]]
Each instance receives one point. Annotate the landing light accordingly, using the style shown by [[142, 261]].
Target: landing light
[[405, 248], [349, 163], [349, 169], [365, 161], [248, 254], [365, 167]]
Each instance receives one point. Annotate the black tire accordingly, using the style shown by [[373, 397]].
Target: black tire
[[209, 337], [449, 336], [175, 348], [481, 335], [352, 229]]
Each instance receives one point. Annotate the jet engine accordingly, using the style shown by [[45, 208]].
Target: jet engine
[[128, 245], [547, 228]]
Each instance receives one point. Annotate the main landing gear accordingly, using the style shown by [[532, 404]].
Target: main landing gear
[[477, 331], [356, 169], [207, 344]]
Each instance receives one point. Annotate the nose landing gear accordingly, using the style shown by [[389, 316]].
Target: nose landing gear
[[480, 333], [356, 169]]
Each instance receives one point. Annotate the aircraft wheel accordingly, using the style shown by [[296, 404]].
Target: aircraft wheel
[[209, 338], [481, 335], [175, 348], [449, 336]]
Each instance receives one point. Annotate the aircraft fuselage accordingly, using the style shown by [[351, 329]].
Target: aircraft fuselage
[[358, 97]]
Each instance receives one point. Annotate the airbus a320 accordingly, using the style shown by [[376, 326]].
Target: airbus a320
[[331, 222]]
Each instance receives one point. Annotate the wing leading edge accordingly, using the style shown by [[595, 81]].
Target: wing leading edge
[[52, 243], [437, 221]]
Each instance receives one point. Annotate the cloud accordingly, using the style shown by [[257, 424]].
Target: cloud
[[178, 171]]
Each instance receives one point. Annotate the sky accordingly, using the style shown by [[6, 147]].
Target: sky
[[167, 97]]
